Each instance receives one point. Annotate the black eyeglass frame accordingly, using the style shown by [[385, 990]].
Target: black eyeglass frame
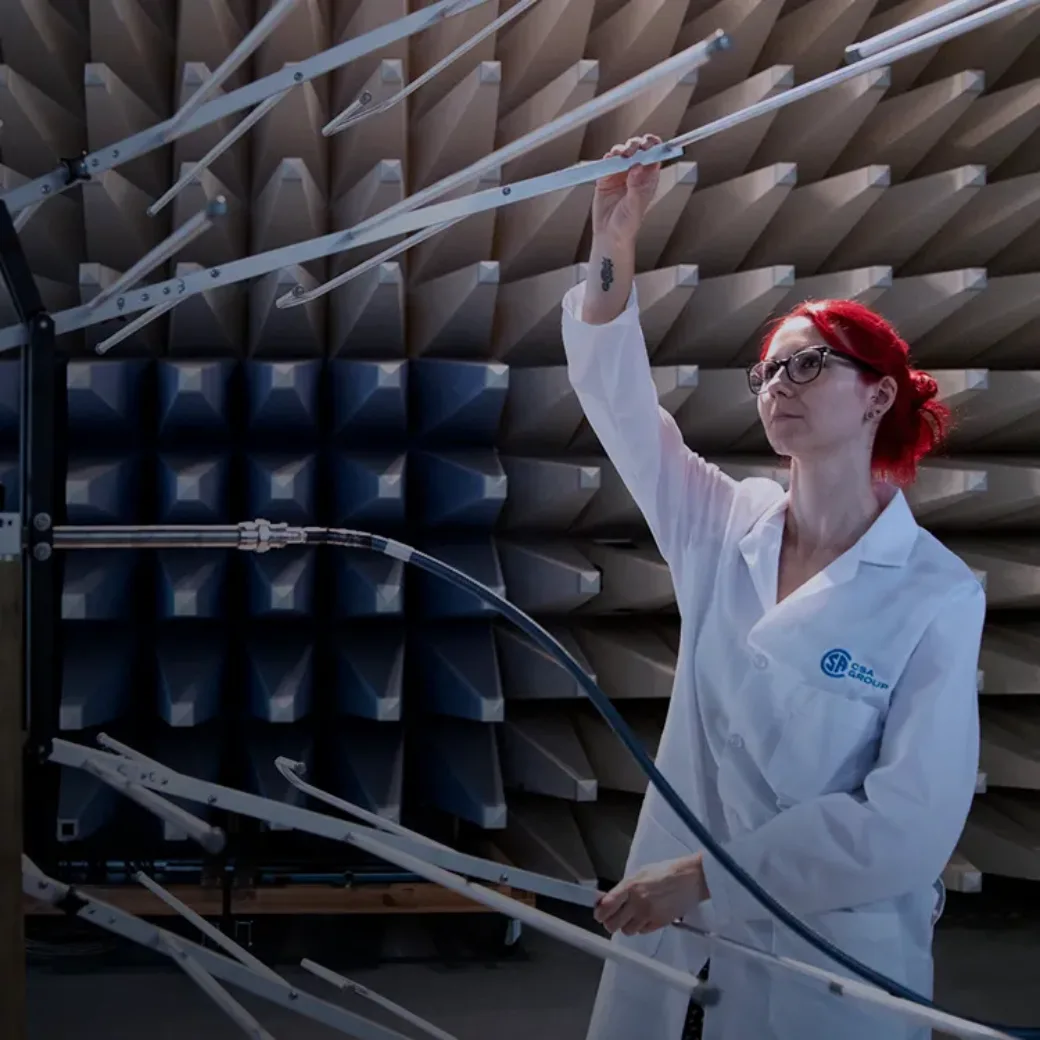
[[825, 351]]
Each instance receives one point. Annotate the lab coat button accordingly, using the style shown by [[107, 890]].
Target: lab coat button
[[736, 741], [761, 662]]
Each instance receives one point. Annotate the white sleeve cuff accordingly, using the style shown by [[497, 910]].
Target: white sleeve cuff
[[719, 881]]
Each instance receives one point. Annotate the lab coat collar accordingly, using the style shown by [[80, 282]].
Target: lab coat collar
[[890, 539], [887, 543]]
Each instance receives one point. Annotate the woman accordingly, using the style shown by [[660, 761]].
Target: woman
[[824, 719]]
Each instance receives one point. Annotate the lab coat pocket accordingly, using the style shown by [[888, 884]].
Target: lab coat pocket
[[825, 741], [805, 1009]]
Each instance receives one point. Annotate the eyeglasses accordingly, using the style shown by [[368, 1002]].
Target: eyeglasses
[[802, 367]]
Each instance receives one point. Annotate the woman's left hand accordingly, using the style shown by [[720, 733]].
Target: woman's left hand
[[654, 897]]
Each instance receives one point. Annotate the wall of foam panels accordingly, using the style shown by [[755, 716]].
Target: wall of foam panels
[[428, 399]]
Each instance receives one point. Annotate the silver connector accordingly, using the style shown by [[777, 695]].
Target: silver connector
[[261, 536]]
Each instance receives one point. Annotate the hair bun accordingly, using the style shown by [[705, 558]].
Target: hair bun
[[924, 387]]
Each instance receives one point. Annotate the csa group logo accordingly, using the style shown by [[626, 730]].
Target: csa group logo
[[838, 664]]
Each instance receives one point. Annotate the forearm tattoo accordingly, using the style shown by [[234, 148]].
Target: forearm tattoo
[[606, 273]]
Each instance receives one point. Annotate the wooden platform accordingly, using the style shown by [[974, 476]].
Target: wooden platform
[[420, 898]]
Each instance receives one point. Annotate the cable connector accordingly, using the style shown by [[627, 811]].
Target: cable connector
[[261, 535]]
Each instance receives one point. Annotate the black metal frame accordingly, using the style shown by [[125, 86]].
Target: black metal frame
[[36, 479]]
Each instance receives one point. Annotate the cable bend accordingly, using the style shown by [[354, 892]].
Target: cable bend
[[350, 539]]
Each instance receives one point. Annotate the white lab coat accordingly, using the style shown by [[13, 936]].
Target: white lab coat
[[829, 742]]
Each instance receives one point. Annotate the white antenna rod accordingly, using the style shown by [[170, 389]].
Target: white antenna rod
[[356, 111], [943, 34], [213, 989], [293, 773], [298, 295], [346, 985], [133, 147], [403, 218], [207, 929], [942, 15], [210, 838], [192, 228], [277, 13], [217, 151]]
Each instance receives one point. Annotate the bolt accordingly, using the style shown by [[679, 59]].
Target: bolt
[[507, 191], [42, 522], [298, 77], [46, 189], [166, 291], [115, 153], [144, 297], [42, 551], [215, 273]]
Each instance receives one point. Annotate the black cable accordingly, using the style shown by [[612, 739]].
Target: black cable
[[527, 624]]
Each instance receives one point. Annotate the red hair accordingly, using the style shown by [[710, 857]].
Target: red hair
[[917, 423]]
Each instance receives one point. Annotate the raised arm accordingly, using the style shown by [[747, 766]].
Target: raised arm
[[683, 498]]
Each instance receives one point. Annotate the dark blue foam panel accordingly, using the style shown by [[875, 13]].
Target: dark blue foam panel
[[85, 805], [457, 402], [194, 401], [195, 753], [97, 676], [98, 585], [367, 585], [370, 672], [368, 765], [369, 401], [458, 671], [10, 400], [477, 557], [460, 489], [282, 488], [265, 743], [194, 489], [192, 583], [101, 490], [461, 772], [104, 398], [9, 481], [191, 665], [368, 488], [283, 399], [282, 582], [280, 669]]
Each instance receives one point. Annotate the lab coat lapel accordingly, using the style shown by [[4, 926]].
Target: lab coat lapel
[[887, 543], [760, 548]]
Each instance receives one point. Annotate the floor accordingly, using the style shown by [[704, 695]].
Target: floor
[[986, 969]]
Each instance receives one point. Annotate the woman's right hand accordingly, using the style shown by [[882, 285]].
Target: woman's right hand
[[621, 199]]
